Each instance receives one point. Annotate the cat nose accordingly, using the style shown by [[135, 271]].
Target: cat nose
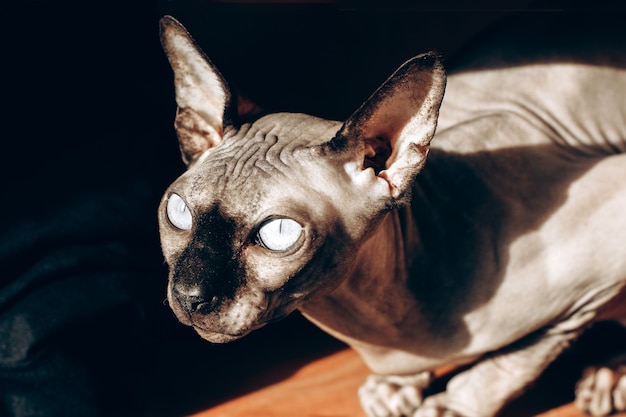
[[194, 298]]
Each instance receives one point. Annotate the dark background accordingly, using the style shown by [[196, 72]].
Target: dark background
[[87, 148]]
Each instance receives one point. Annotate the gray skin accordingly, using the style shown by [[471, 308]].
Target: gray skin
[[498, 252]]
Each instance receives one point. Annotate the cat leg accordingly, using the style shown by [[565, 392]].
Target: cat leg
[[602, 389], [393, 395], [483, 389]]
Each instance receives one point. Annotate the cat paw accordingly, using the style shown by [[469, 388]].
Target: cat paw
[[435, 406], [393, 396], [602, 389]]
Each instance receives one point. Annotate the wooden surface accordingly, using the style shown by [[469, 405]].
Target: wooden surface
[[327, 387]]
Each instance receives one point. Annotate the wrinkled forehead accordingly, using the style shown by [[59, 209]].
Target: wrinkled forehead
[[258, 159], [286, 128]]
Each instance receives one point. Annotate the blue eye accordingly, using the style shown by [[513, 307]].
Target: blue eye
[[279, 234], [178, 213]]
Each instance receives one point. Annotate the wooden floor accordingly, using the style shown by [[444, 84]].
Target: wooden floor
[[327, 387], [292, 369]]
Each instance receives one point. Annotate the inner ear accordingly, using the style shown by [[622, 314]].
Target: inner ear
[[376, 153], [392, 130], [247, 111]]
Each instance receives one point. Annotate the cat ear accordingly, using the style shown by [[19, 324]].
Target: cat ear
[[392, 130], [205, 102]]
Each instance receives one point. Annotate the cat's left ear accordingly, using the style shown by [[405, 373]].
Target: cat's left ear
[[392, 130], [205, 102]]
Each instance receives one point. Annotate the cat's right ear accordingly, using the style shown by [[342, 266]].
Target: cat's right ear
[[205, 102]]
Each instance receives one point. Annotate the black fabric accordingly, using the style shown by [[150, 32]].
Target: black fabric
[[86, 152]]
